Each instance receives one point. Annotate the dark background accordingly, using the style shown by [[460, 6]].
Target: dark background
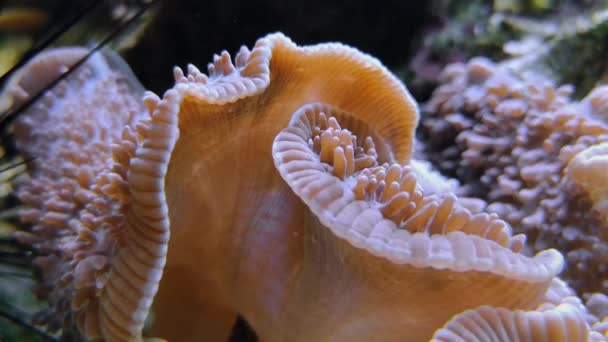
[[192, 31]]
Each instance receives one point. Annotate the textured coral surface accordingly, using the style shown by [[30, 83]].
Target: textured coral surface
[[296, 197], [78, 146], [509, 141]]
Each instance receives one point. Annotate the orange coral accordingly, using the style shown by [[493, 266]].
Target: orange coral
[[229, 119], [289, 188], [395, 232]]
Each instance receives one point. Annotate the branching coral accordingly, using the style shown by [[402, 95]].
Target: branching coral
[[288, 183], [510, 141]]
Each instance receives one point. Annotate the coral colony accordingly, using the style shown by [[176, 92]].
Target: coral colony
[[287, 187]]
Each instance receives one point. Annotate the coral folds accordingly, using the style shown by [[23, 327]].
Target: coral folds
[[286, 186]]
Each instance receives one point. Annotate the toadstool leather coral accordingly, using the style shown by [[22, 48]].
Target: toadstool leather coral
[[228, 120], [287, 182], [391, 239], [326, 251]]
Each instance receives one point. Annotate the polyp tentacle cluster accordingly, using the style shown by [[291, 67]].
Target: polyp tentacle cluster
[[399, 206], [511, 141], [94, 188]]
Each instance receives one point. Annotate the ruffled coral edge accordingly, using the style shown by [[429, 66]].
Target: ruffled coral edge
[[249, 75], [138, 264], [365, 227], [550, 322], [228, 81]]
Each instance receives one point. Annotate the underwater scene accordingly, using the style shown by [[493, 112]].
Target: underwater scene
[[304, 171]]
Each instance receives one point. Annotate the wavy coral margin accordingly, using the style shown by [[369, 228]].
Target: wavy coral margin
[[367, 227], [227, 121], [550, 322], [447, 247], [250, 75], [138, 266]]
